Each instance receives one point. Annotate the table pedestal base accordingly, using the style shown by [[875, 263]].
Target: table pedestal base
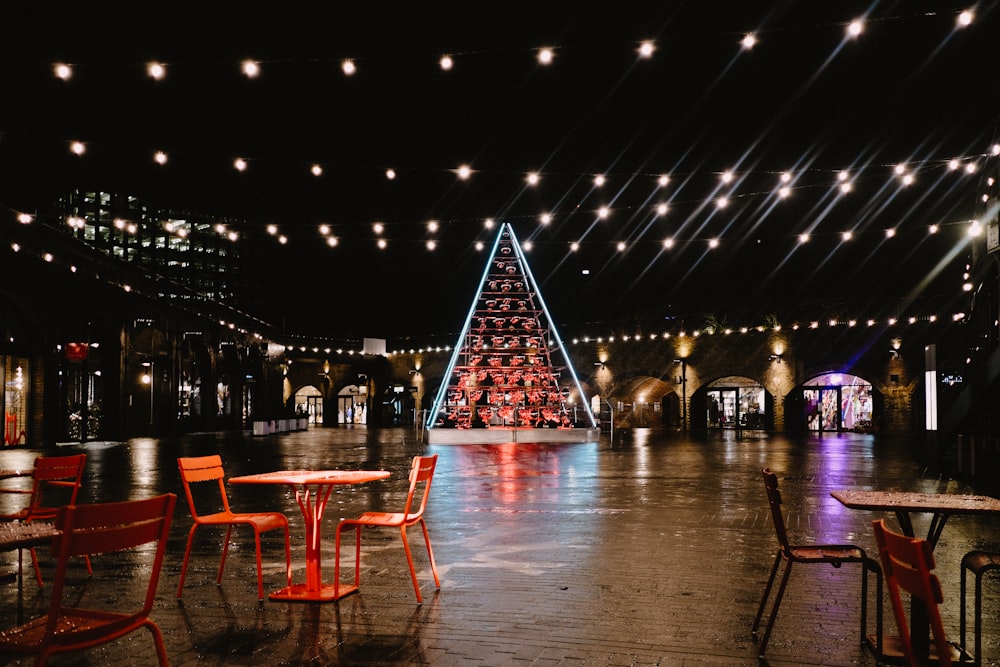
[[301, 593]]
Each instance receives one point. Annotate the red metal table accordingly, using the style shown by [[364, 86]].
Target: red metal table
[[903, 503], [312, 491]]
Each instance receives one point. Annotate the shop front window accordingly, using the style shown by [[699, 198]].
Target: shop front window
[[15, 400], [222, 399], [838, 402], [735, 402]]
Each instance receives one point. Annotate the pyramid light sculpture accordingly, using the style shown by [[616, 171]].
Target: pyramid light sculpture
[[501, 373]]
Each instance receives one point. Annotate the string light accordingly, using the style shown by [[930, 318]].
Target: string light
[[156, 71], [250, 69], [646, 48]]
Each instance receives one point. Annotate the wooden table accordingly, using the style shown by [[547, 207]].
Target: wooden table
[[312, 491], [904, 503]]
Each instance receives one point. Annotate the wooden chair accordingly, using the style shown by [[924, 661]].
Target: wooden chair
[[421, 474], [907, 563], [830, 554], [55, 483], [208, 469], [978, 563], [91, 529]]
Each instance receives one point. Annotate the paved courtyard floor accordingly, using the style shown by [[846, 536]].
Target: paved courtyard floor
[[648, 549]]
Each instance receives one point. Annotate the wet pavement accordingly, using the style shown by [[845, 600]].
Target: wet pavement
[[651, 549]]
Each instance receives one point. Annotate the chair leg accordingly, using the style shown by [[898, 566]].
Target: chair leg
[[430, 554], [774, 609], [225, 552], [409, 561], [767, 593], [978, 627], [336, 560], [187, 555], [877, 569], [38, 569], [161, 650], [357, 556], [961, 608], [288, 558], [260, 566]]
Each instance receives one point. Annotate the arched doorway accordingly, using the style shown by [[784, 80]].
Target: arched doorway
[[837, 402], [309, 402]]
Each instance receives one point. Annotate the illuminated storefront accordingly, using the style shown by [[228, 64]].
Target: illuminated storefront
[[15, 400], [838, 402], [735, 402]]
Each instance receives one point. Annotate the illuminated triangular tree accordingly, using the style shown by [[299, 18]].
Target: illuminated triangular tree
[[506, 368]]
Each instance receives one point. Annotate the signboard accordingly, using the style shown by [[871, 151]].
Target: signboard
[[76, 351]]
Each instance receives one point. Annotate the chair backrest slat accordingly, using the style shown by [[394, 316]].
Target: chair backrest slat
[[774, 501], [52, 473], [422, 470], [198, 469], [907, 563], [106, 527], [201, 468]]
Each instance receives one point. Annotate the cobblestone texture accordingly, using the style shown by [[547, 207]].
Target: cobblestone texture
[[646, 550]]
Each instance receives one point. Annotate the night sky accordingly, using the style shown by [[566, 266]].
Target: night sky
[[807, 100]]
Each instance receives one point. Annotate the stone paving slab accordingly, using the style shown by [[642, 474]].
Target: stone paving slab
[[652, 550]]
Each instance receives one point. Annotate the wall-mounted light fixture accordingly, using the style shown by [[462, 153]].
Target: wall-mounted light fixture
[[775, 357], [599, 364]]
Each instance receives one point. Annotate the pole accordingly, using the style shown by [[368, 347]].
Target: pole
[[684, 401]]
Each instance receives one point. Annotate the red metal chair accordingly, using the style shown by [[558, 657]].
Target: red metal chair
[[55, 483], [830, 554], [421, 474], [202, 469], [91, 529], [907, 563]]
